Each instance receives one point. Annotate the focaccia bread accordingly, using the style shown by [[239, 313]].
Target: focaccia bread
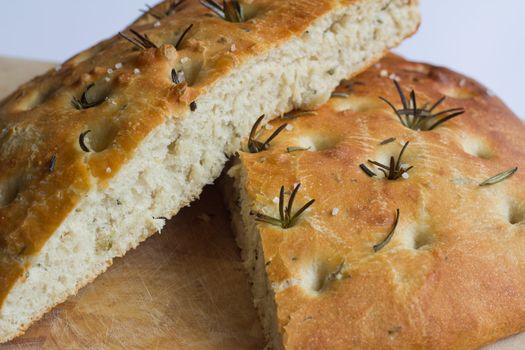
[[429, 254], [99, 152]]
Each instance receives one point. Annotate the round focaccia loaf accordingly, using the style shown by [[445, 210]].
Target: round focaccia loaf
[[432, 258], [99, 152]]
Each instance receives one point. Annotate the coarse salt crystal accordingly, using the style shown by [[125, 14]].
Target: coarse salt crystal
[[289, 127], [335, 211], [462, 82], [184, 60], [107, 79], [383, 73], [233, 48], [395, 77], [156, 24], [136, 71], [118, 65], [276, 200], [108, 170], [110, 71], [405, 176], [268, 126]]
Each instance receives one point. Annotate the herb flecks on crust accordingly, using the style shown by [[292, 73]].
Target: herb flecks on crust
[[421, 118], [255, 146], [287, 218], [230, 10]]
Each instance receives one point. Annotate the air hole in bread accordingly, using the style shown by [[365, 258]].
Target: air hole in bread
[[9, 189], [317, 275], [423, 238], [516, 213], [356, 104], [98, 93], [101, 136], [317, 142], [189, 67], [477, 148], [417, 236]]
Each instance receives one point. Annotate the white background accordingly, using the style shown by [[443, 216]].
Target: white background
[[484, 39]]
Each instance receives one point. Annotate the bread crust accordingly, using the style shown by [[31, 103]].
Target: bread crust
[[46, 172], [452, 277]]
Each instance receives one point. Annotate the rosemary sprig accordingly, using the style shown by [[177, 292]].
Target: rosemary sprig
[[152, 12], [286, 218], [83, 102], [388, 238], [297, 149], [82, 143], [339, 94], [183, 35], [367, 171], [500, 177], [255, 146], [231, 10], [141, 41], [52, 163], [424, 118], [350, 84], [393, 171], [174, 6], [387, 141], [297, 114]]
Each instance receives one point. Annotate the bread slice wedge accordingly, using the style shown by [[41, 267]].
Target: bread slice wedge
[[427, 253], [99, 152]]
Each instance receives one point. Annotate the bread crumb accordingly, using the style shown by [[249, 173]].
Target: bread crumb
[[233, 48], [462, 82], [58, 68], [108, 170]]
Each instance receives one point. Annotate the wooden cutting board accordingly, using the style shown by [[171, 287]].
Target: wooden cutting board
[[182, 289]]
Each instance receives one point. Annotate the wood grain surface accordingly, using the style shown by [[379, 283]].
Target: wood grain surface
[[182, 289]]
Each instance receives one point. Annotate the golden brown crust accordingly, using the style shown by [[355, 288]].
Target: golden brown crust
[[38, 122], [452, 276]]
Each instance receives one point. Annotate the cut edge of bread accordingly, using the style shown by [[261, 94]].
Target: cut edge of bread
[[174, 163], [248, 239]]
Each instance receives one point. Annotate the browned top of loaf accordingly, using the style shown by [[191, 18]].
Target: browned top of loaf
[[38, 122], [453, 275]]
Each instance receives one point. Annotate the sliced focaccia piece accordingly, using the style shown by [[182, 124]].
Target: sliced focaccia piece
[[389, 218], [99, 152]]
